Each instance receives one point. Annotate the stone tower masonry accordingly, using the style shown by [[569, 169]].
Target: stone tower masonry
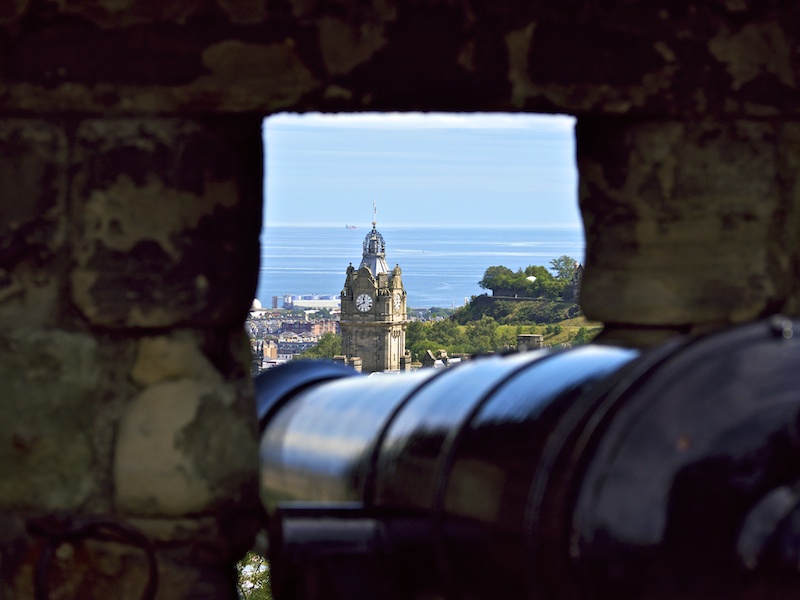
[[373, 320]]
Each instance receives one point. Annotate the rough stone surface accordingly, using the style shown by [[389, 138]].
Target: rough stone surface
[[186, 441], [33, 193], [52, 463], [739, 58], [167, 358], [119, 230], [687, 223], [162, 208]]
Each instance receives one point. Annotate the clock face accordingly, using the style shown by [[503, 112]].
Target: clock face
[[398, 301], [363, 302]]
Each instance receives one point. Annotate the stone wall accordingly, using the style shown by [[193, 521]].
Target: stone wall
[[129, 259], [689, 224], [130, 176]]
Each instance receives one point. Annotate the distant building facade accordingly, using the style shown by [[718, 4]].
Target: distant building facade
[[373, 318], [288, 350], [311, 301], [313, 327]]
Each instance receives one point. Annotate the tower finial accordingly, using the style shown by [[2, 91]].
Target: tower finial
[[374, 214]]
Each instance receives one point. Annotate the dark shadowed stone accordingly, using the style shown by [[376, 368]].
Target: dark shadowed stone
[[685, 221], [163, 54], [617, 57], [166, 205], [33, 188], [48, 461]]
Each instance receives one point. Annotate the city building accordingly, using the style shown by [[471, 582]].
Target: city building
[[317, 327], [373, 318], [289, 349], [311, 301]]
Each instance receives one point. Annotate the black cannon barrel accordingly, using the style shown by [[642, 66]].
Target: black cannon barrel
[[597, 472]]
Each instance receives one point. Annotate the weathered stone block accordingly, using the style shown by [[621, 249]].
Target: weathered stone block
[[187, 442], [33, 191], [617, 57], [49, 385], [167, 219], [686, 223]]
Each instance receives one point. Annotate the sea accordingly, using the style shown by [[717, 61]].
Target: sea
[[441, 265]]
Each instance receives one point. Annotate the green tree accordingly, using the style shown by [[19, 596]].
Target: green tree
[[496, 277], [553, 329], [447, 334], [481, 335], [584, 335], [542, 285], [436, 335], [253, 578], [563, 267], [419, 348], [329, 345], [506, 339], [470, 312], [415, 331], [416, 350], [501, 309]]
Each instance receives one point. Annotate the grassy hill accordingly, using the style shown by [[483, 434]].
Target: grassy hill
[[566, 331], [516, 311], [485, 335]]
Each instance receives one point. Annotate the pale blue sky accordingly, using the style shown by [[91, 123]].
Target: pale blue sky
[[489, 169]]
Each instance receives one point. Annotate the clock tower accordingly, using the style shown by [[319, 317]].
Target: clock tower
[[373, 321]]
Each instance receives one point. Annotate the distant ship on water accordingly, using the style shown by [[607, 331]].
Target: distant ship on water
[[351, 227]]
